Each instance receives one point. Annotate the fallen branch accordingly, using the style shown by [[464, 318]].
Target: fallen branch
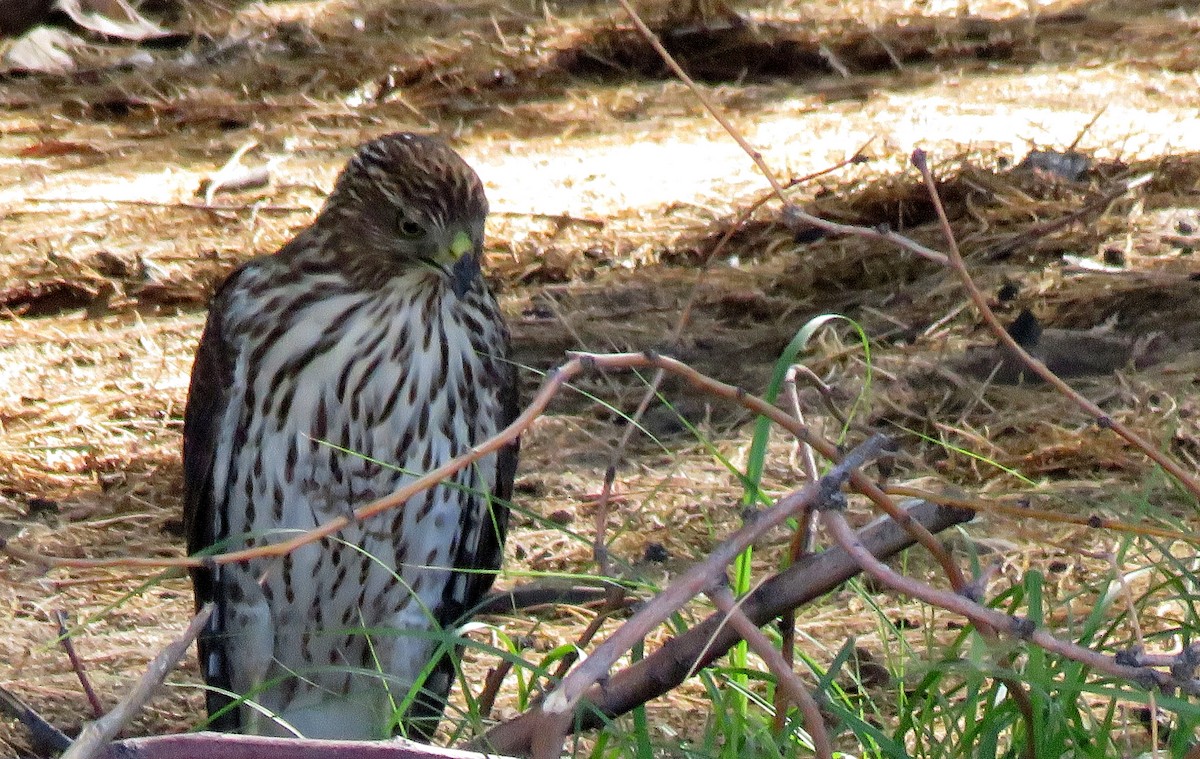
[[95, 735], [682, 656], [703, 575], [227, 746]]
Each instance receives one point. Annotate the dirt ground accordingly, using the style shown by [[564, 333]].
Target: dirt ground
[[609, 187]]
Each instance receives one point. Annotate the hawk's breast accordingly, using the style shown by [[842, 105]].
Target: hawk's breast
[[343, 399]]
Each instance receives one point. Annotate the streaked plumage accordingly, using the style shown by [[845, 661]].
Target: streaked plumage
[[367, 351]]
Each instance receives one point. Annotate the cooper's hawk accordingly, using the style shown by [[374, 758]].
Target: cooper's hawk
[[365, 352]]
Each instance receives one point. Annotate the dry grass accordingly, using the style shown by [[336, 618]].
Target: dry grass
[[607, 190]]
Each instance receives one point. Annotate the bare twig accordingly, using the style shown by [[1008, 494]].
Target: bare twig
[[1021, 509], [786, 677], [804, 540], [825, 391], [1102, 419], [96, 734], [599, 538], [1041, 229], [584, 639], [64, 638], [1087, 127], [1023, 629], [794, 216], [681, 656], [700, 577], [491, 687]]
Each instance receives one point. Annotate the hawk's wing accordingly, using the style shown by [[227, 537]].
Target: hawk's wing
[[489, 552], [208, 394]]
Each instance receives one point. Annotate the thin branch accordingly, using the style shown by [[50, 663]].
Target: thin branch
[[702, 644], [64, 638], [786, 677], [1102, 419], [804, 539], [1041, 229], [96, 735], [554, 381], [491, 688], [701, 577], [1018, 627], [584, 639], [709, 106], [1021, 509], [794, 217]]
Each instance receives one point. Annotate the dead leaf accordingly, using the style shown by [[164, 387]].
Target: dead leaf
[[44, 50], [236, 180], [233, 176], [113, 18], [49, 148]]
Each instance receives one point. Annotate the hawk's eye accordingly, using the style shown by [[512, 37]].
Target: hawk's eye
[[409, 229]]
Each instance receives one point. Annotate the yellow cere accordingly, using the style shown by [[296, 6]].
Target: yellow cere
[[461, 244]]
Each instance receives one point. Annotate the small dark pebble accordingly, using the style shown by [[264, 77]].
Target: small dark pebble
[[527, 487], [523, 642], [538, 311], [656, 553], [805, 235], [38, 505], [1068, 165]]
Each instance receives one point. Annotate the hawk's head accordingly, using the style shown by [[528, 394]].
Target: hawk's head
[[406, 200]]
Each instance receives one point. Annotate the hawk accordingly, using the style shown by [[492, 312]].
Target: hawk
[[367, 351]]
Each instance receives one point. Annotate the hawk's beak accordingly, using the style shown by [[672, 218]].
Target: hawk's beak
[[465, 270]]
